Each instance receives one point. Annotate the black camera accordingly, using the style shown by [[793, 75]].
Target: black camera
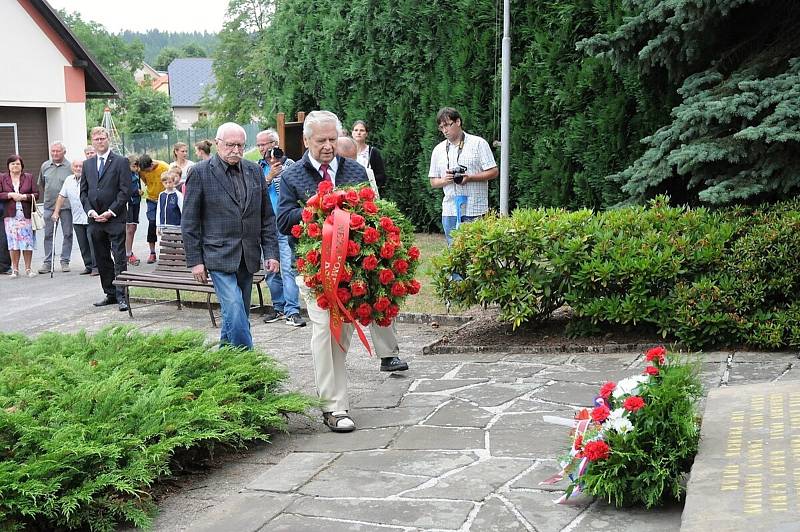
[[459, 173], [276, 153]]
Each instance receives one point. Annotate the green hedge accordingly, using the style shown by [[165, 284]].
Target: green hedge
[[89, 422], [702, 277]]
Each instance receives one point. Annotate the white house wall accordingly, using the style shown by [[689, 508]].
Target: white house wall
[[67, 123]]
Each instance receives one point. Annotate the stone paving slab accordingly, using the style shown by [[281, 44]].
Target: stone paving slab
[[440, 438], [293, 471]]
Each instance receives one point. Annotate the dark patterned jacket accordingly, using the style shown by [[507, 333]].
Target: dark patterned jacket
[[300, 181], [217, 230]]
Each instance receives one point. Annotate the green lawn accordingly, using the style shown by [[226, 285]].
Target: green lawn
[[425, 301]]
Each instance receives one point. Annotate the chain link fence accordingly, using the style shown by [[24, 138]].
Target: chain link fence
[[159, 144]]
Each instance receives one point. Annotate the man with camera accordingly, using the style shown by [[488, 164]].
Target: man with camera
[[462, 165], [282, 285]]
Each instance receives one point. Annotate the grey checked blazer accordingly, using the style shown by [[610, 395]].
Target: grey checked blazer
[[300, 181], [216, 229]]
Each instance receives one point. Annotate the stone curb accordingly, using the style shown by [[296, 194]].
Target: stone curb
[[447, 320]]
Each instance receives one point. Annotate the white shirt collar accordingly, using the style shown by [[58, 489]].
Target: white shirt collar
[[333, 165]]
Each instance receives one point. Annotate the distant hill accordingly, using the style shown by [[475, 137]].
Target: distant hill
[[155, 40]]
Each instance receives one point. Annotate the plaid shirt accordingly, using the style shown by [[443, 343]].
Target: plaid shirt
[[477, 157]]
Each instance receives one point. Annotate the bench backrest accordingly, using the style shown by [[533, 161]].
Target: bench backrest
[[172, 256]]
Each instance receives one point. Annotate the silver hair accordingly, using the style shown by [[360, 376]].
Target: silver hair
[[272, 133], [320, 117], [350, 142], [59, 143], [230, 126]]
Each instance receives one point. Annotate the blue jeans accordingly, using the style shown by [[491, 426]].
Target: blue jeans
[[449, 224], [282, 286], [233, 292]]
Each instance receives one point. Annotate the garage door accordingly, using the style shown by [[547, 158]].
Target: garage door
[[23, 130]]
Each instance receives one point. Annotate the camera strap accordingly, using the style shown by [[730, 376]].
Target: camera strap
[[460, 149]]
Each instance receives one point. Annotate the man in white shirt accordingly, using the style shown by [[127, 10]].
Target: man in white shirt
[[71, 194], [462, 165]]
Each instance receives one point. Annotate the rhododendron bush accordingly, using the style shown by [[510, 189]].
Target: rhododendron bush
[[375, 272], [637, 443]]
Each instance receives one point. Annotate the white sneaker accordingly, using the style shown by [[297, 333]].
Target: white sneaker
[[14, 274], [30, 273]]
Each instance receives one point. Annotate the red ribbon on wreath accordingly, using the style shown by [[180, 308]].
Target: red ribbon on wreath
[[335, 234]]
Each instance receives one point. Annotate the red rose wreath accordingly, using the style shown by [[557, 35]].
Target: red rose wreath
[[355, 253]]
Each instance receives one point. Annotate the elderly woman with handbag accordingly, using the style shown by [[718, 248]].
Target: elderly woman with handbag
[[18, 190]]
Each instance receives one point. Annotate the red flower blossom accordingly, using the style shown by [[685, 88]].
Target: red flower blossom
[[353, 249], [297, 231], [387, 250], [370, 262], [633, 403], [314, 201], [386, 223], [392, 311], [578, 442], [322, 302], [400, 266], [384, 322], [382, 303], [324, 187], [312, 256], [329, 202], [365, 321], [310, 281], [367, 194], [300, 263], [413, 286], [307, 215], [596, 450], [356, 221], [351, 196], [651, 370], [371, 235], [343, 294], [346, 275], [370, 207], [398, 290], [313, 230], [600, 413], [358, 288], [385, 276], [656, 353], [364, 310], [606, 389], [413, 253]]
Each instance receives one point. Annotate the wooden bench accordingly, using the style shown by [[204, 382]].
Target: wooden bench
[[171, 273]]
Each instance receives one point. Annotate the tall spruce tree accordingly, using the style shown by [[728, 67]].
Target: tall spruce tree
[[735, 136]]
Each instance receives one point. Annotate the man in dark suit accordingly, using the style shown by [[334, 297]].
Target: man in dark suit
[[105, 189], [228, 225], [299, 182]]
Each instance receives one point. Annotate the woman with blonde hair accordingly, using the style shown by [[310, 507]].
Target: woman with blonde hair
[[181, 153]]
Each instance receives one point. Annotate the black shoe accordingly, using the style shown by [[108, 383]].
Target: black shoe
[[393, 364], [123, 305], [87, 271], [295, 320], [7, 271], [272, 316], [107, 301]]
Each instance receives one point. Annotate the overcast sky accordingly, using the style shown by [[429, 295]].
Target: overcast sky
[[142, 15]]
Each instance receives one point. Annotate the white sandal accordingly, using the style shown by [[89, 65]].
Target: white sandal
[[338, 421]]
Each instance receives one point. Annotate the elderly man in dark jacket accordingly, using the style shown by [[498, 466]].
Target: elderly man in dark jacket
[[299, 182], [228, 225]]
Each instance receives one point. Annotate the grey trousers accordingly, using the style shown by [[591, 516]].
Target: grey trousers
[[65, 223]]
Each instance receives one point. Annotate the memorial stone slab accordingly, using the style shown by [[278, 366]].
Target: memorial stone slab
[[746, 475]]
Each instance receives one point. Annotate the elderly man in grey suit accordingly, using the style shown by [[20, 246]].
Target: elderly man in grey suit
[[228, 226]]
